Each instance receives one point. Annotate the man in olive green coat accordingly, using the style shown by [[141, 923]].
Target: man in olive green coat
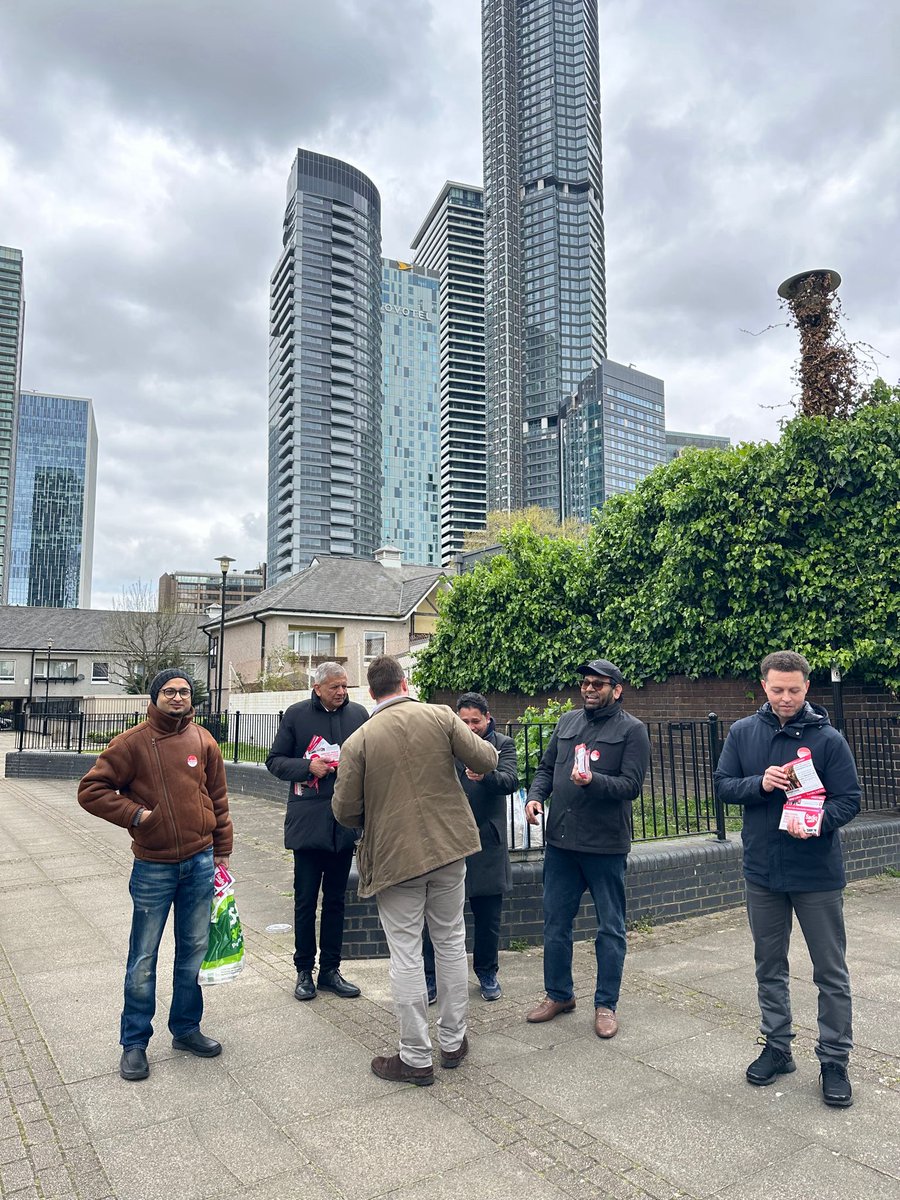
[[398, 781]]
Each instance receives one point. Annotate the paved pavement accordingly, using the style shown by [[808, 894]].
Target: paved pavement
[[291, 1109]]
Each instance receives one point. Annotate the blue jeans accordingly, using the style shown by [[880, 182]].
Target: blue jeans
[[156, 887], [567, 873]]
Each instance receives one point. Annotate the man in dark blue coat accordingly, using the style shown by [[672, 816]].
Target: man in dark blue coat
[[791, 870], [488, 873], [588, 837], [323, 850]]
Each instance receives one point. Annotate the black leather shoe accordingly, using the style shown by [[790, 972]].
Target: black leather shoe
[[305, 989], [133, 1064], [333, 981], [197, 1043]]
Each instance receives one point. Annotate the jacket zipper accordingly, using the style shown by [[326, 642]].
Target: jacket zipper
[[162, 778]]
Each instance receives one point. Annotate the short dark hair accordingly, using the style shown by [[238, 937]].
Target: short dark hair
[[473, 700], [384, 675], [784, 660]]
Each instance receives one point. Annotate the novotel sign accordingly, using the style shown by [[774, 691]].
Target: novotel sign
[[419, 313]]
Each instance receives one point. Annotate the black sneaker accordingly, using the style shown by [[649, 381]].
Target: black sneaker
[[770, 1064], [836, 1089]]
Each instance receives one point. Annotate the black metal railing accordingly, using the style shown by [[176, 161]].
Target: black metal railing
[[678, 798]]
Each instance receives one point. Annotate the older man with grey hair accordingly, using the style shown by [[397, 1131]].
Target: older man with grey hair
[[323, 850]]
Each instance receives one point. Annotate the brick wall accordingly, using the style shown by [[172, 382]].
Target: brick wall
[[680, 698], [666, 881]]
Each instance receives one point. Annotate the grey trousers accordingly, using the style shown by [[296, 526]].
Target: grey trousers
[[438, 896], [821, 918]]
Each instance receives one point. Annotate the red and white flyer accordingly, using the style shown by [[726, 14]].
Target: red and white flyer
[[806, 798], [319, 748], [582, 761]]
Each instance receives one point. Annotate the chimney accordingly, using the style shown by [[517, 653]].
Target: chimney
[[389, 556]]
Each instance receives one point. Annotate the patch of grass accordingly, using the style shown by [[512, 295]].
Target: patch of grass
[[519, 945], [891, 873], [643, 924]]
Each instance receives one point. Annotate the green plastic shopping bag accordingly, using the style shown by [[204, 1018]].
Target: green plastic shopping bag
[[224, 958]]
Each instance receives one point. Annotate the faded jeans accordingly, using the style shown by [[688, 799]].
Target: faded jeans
[[155, 888]]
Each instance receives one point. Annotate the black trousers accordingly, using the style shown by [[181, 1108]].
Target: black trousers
[[316, 870], [486, 945]]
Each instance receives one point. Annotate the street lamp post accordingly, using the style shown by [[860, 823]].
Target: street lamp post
[[224, 563], [47, 694]]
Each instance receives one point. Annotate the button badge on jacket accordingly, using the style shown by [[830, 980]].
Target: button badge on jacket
[[192, 760]]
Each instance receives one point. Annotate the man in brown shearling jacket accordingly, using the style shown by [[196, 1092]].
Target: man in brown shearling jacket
[[164, 781]]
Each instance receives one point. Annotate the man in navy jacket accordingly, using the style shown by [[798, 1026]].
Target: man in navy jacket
[[793, 871]]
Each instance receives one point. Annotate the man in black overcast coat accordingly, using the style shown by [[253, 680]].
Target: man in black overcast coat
[[323, 850]]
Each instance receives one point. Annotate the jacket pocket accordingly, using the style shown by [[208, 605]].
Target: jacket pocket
[[151, 833], [609, 760]]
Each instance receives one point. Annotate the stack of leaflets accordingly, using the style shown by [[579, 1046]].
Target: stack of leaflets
[[807, 797], [319, 748]]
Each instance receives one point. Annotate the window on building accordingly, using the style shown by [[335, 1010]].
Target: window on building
[[318, 642], [100, 672], [374, 643], [7, 668], [60, 668]]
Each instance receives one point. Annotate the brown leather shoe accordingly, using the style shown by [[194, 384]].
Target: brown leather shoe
[[548, 1009], [452, 1058], [395, 1070], [605, 1023]]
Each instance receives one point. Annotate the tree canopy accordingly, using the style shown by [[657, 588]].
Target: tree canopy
[[540, 520], [714, 560]]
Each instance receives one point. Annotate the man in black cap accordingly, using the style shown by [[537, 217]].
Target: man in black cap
[[164, 781], [592, 771]]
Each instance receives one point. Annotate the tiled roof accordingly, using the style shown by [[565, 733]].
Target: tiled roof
[[351, 586], [72, 629]]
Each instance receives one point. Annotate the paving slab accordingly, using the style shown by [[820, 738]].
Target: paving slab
[[372, 1147]]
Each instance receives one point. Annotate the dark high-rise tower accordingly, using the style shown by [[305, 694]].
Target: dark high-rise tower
[[325, 393], [544, 250]]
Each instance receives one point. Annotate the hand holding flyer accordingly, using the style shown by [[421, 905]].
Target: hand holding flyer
[[326, 752], [582, 762], [806, 799]]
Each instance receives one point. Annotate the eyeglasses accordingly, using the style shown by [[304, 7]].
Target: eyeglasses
[[171, 693], [597, 687]]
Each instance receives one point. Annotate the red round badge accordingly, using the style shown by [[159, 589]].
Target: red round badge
[[192, 760], [595, 754]]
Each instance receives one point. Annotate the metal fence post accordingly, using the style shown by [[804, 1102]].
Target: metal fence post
[[715, 749], [237, 730], [81, 733]]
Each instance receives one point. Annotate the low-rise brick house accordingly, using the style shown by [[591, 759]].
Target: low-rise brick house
[[338, 608]]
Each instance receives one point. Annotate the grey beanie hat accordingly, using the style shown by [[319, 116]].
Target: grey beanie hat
[[164, 677]]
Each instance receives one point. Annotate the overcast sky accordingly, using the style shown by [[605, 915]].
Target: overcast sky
[[144, 152]]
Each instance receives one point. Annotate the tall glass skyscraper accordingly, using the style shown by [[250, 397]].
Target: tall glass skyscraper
[[544, 248], [451, 242], [325, 395], [12, 318], [410, 422], [52, 544], [612, 434]]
